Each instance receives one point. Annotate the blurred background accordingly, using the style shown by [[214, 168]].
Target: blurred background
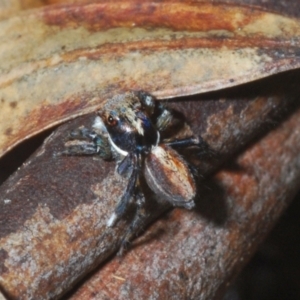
[[274, 271]]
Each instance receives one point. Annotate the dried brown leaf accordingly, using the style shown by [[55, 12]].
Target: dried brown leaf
[[59, 62], [10, 7]]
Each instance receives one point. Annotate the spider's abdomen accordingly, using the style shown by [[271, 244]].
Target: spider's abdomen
[[168, 175]]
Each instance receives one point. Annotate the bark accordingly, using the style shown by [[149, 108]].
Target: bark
[[195, 255]]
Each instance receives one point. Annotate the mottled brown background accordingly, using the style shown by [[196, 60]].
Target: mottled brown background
[[273, 273]]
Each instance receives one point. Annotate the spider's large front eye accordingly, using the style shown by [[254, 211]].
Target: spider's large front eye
[[111, 121]]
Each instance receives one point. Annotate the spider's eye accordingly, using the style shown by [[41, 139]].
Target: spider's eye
[[111, 121]]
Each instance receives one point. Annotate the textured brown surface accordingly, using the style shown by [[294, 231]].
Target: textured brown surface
[[68, 59], [54, 209], [10, 7], [195, 257]]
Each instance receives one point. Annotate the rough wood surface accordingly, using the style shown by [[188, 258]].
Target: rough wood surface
[[196, 255]]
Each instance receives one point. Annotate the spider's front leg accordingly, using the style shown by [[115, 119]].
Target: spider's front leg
[[137, 222], [83, 141], [130, 189], [163, 116], [133, 162], [203, 148]]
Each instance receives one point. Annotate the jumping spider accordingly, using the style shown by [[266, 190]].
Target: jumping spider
[[130, 129]]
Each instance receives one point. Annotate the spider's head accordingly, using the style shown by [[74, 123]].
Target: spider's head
[[127, 120]]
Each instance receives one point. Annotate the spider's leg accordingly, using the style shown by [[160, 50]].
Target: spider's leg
[[124, 165], [182, 143], [82, 133], [203, 147], [86, 142], [147, 100], [84, 148], [165, 118], [123, 203], [136, 224]]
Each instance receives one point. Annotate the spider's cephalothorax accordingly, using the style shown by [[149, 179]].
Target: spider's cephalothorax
[[128, 123], [129, 128]]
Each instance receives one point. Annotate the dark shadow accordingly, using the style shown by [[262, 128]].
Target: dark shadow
[[11, 161], [211, 202], [273, 272]]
